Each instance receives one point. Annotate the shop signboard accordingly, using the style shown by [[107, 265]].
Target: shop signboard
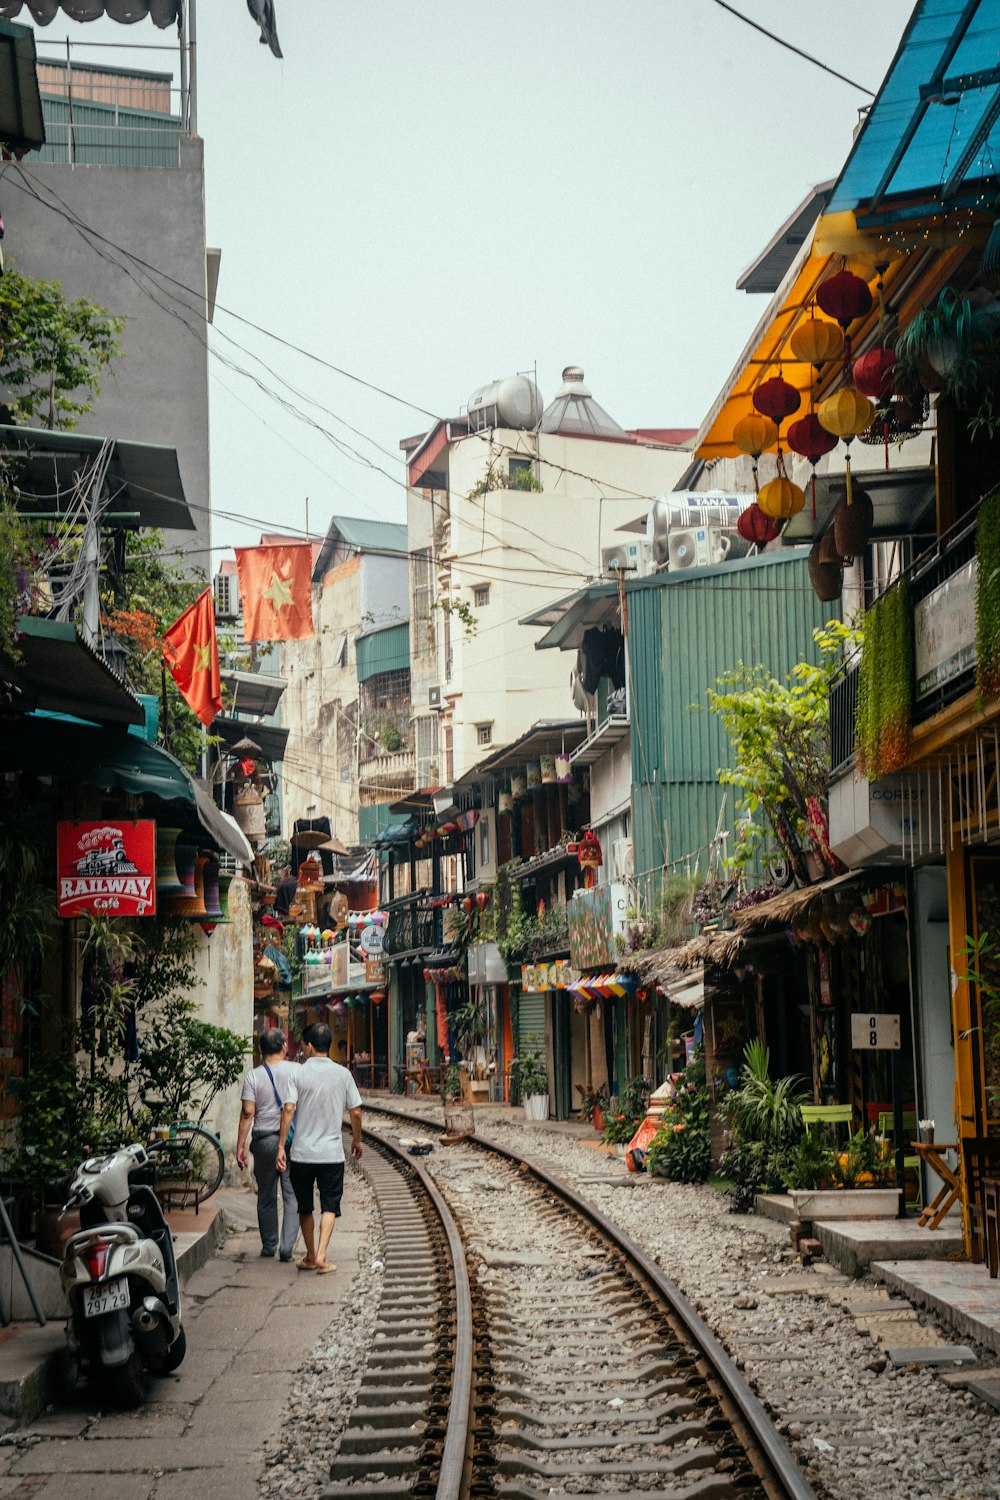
[[534, 978], [371, 941], [596, 920], [944, 631], [107, 868], [374, 971], [875, 1033]]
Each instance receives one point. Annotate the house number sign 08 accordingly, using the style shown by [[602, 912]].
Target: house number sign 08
[[878, 1032]]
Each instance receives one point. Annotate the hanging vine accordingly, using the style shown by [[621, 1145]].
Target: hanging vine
[[885, 686]]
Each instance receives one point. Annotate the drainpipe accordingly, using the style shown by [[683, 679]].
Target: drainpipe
[[192, 31]]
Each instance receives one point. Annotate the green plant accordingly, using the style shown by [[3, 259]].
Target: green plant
[[528, 1070], [956, 338], [885, 684], [55, 352], [988, 598], [865, 1163], [760, 1109], [778, 733], [451, 1083], [27, 907], [626, 1112], [811, 1164], [981, 959], [751, 1167], [498, 476], [57, 1125], [469, 1023], [591, 1099], [682, 1147]]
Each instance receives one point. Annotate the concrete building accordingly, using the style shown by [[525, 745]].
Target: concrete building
[[507, 506], [122, 181], [347, 703]]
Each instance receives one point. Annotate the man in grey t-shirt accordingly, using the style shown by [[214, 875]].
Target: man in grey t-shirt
[[320, 1093], [264, 1092]]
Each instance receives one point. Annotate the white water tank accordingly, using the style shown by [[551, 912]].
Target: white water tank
[[513, 403]]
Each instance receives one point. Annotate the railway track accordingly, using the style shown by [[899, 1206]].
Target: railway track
[[526, 1347]]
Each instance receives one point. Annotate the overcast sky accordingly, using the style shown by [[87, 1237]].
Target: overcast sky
[[434, 195]]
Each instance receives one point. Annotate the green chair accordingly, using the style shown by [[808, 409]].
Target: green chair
[[886, 1126], [828, 1114]]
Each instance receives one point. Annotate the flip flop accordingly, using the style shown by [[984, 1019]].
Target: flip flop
[[307, 1265], [325, 1270]]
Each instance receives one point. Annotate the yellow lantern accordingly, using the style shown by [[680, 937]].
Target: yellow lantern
[[847, 414], [753, 433], [817, 342], [781, 498]]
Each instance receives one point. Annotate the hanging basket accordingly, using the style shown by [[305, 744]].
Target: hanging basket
[[248, 810], [827, 579], [852, 524]]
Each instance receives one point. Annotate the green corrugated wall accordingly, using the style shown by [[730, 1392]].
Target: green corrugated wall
[[372, 820], [682, 637], [104, 136], [383, 651]]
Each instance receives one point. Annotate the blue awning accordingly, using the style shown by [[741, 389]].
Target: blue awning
[[934, 128]]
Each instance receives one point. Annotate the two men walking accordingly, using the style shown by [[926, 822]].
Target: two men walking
[[316, 1093]]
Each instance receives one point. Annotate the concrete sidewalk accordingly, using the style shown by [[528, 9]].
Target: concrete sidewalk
[[206, 1428]]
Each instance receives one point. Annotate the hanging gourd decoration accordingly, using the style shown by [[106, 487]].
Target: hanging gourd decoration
[[873, 376], [827, 579], [817, 342], [776, 399], [780, 498], [752, 434], [852, 524], [847, 414], [810, 439], [757, 528]]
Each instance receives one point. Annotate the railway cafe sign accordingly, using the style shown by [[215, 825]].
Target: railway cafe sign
[[106, 869]]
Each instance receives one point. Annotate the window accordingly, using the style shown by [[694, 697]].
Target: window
[[427, 750], [484, 734], [481, 595], [518, 466], [422, 632]]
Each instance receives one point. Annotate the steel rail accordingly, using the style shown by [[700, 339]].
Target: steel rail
[[451, 1477], [784, 1469]]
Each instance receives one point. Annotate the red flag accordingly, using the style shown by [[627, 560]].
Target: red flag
[[276, 589], [192, 654]]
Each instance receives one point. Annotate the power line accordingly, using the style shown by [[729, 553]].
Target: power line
[[791, 47]]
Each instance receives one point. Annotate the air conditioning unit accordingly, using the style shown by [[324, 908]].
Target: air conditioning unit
[[697, 547], [621, 859], [434, 697], [635, 559], [226, 588]]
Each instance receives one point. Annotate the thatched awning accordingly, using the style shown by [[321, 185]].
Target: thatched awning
[[785, 910], [664, 966]]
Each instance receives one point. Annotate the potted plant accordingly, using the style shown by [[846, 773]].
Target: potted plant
[[530, 1074], [593, 1104]]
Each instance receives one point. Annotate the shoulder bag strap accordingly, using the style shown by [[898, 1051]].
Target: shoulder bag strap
[[270, 1075]]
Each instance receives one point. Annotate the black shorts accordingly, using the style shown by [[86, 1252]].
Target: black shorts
[[329, 1175]]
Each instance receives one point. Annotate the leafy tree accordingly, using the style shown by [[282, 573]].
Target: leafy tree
[[55, 352], [779, 733]]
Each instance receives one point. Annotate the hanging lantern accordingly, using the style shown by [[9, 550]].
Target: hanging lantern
[[377, 998], [428, 975], [339, 1008], [780, 498], [533, 774], [827, 579], [810, 439], [467, 904], [844, 297], [847, 414], [482, 897], [873, 372], [776, 399], [817, 342], [505, 804], [518, 785], [752, 434], [547, 764], [564, 771], [757, 528], [828, 554]]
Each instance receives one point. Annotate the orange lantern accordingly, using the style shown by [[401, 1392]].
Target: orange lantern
[[781, 498], [817, 342], [847, 414]]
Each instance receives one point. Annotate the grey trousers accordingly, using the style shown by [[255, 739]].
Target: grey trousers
[[264, 1149]]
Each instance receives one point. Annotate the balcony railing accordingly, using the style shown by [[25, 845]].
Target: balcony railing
[[390, 771], [416, 923]]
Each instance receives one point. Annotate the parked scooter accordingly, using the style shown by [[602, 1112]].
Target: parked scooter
[[120, 1277]]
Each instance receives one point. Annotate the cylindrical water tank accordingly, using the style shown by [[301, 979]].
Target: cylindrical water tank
[[513, 402]]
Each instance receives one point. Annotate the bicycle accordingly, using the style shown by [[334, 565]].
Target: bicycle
[[190, 1162]]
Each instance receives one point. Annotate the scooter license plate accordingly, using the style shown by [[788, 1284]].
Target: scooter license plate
[[107, 1296]]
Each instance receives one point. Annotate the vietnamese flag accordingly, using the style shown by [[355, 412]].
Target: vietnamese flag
[[276, 590], [192, 654]]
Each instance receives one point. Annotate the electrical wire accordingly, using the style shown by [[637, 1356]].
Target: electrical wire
[[791, 47]]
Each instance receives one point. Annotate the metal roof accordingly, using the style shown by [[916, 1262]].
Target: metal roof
[[768, 269], [574, 412], [253, 692], [272, 738], [545, 737], [934, 127], [144, 478], [60, 673], [362, 535]]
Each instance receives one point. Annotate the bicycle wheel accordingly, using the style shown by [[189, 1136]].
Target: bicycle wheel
[[191, 1157]]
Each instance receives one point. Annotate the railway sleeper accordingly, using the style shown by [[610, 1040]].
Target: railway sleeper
[[360, 1465], [666, 1437], [706, 1487], [665, 1370], [556, 1398], [668, 1409], [681, 1463], [368, 1440], [404, 1377]]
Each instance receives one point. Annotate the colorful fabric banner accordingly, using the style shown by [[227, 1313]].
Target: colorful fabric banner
[[192, 654], [276, 590]]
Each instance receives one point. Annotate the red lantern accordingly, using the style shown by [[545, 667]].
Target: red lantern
[[467, 904], [481, 899], [776, 399], [377, 996], [810, 438], [873, 372], [428, 975], [756, 528], [844, 297]]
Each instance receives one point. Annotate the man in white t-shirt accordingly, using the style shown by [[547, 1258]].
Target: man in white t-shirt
[[264, 1093], [320, 1093]]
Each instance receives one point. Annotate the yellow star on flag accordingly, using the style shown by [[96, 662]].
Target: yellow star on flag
[[278, 592], [202, 656]]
